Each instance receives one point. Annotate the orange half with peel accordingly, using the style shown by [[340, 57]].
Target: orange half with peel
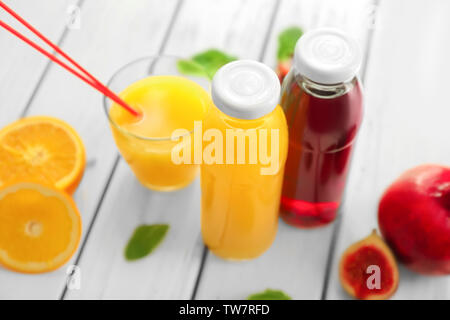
[[41, 149], [40, 227]]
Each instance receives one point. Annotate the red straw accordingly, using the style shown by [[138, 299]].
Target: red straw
[[88, 78]]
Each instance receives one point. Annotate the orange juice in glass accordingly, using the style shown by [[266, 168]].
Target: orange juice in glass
[[166, 102]]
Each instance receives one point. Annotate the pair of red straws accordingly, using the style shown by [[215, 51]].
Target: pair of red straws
[[82, 73]]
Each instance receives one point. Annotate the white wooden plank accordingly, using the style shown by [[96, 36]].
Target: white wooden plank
[[172, 270], [111, 34], [296, 262], [237, 27], [20, 66], [406, 123]]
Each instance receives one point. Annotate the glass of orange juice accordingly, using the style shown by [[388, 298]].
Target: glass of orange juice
[[167, 101]]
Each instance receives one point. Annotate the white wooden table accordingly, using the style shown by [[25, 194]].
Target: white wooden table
[[405, 74]]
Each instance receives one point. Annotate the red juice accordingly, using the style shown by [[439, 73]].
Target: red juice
[[323, 121], [321, 136]]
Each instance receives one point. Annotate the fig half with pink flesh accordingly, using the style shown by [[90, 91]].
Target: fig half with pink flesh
[[368, 270]]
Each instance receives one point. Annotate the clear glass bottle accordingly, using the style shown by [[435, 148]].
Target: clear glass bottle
[[322, 100]]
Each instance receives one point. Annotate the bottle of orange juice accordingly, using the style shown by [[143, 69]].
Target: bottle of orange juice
[[241, 175]]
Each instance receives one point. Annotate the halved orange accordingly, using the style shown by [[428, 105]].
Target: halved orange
[[41, 149], [40, 227]]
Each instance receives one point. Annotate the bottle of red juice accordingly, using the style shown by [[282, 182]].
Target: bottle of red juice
[[323, 103]]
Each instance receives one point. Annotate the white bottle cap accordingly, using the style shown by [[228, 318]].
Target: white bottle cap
[[327, 56], [245, 89]]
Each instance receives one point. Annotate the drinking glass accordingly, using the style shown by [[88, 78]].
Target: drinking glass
[[150, 156]]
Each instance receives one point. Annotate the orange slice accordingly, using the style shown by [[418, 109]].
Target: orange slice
[[41, 149], [40, 227]]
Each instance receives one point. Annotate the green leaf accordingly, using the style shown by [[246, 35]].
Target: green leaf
[[205, 63], [269, 294], [144, 240], [192, 68], [286, 42]]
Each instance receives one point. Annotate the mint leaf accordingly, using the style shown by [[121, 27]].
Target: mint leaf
[[212, 60], [144, 240], [205, 63], [269, 294], [192, 68], [286, 42]]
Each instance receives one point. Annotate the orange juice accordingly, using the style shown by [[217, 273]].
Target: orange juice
[[166, 103], [240, 197]]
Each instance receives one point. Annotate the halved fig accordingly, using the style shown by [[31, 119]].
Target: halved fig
[[368, 270]]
